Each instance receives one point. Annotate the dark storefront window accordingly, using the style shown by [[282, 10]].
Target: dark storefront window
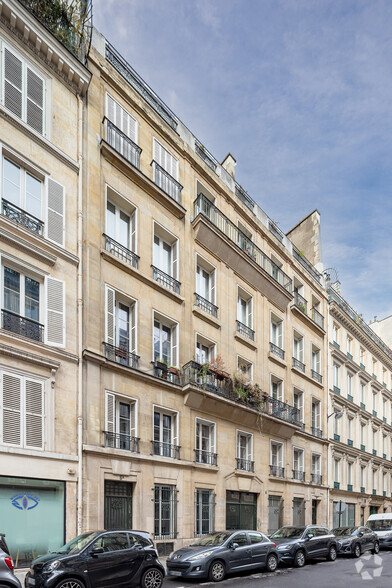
[[241, 510], [118, 505], [314, 512], [347, 518], [298, 512]]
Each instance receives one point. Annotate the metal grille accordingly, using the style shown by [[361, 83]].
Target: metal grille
[[118, 505], [165, 514], [22, 217]]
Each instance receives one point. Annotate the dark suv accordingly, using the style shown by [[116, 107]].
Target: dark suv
[[296, 545], [7, 576], [101, 558]]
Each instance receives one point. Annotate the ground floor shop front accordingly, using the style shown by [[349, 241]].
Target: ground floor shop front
[[348, 509]]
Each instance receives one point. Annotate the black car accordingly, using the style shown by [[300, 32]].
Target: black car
[[213, 556], [355, 540], [99, 560], [296, 545]]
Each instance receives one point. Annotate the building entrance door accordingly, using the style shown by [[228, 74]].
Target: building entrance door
[[241, 510], [275, 513], [118, 505], [298, 512]]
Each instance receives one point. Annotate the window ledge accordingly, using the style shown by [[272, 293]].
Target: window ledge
[[205, 316], [277, 359], [308, 319], [307, 377], [42, 347], [37, 453], [245, 340]]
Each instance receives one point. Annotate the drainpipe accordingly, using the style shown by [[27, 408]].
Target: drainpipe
[[327, 413], [79, 315]]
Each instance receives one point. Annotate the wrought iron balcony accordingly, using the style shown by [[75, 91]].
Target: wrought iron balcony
[[245, 331], [276, 471], [206, 156], [316, 376], [206, 305], [317, 479], [165, 449], [299, 256], [245, 465], [336, 485], [121, 441], [300, 302], [281, 410], [277, 350], [244, 196], [171, 375], [121, 355], [298, 364], [207, 209], [316, 432], [202, 456], [299, 475], [275, 231], [121, 252], [22, 325], [122, 143], [165, 280], [166, 182], [318, 318], [28, 221]]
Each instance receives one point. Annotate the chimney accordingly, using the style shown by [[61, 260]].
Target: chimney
[[229, 164]]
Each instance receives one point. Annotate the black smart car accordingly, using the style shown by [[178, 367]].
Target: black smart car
[[355, 540], [296, 545], [97, 560]]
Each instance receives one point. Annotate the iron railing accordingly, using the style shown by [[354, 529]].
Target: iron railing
[[316, 376], [206, 305], [165, 280], [121, 441], [122, 143], [22, 325], [276, 471], [318, 318], [206, 156], [317, 479], [300, 302], [28, 221], [245, 331], [205, 207], [277, 350], [121, 355], [281, 410], [299, 475], [245, 464], [166, 182], [202, 456], [298, 364], [169, 376], [165, 449], [121, 252], [275, 231], [299, 256], [244, 196], [317, 432]]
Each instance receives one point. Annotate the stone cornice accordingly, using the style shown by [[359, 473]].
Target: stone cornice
[[20, 354]]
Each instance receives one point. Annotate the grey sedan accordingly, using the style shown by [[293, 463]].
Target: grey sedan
[[213, 556]]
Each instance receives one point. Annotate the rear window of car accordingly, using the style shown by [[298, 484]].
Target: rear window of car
[[3, 545], [256, 537], [135, 539]]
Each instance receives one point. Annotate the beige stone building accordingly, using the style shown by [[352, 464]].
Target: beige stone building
[[205, 350], [43, 86]]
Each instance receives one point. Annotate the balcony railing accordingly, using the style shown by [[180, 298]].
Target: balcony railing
[[166, 182], [276, 471], [298, 364], [121, 252], [168, 375], [165, 280], [28, 221], [22, 325], [275, 231], [317, 479], [206, 305], [121, 441], [122, 143], [300, 302], [205, 207], [206, 156], [202, 456], [317, 432], [281, 410], [245, 331], [121, 355], [245, 465], [316, 376], [276, 350], [299, 256], [244, 196], [299, 475], [165, 449]]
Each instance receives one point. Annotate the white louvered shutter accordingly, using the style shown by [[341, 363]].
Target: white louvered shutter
[[55, 220], [35, 101], [132, 321], [250, 313], [174, 346], [110, 301], [124, 121], [212, 287], [12, 409], [133, 420], [34, 414], [13, 75], [175, 260], [55, 312], [110, 413], [132, 231]]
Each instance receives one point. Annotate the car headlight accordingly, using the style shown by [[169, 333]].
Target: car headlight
[[284, 547], [52, 566], [201, 555]]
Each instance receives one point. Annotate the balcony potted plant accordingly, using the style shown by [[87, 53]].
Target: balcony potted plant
[[216, 366], [160, 364], [174, 370]]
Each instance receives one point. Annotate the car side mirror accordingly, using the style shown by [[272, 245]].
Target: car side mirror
[[96, 550], [234, 546], [309, 536], [360, 534]]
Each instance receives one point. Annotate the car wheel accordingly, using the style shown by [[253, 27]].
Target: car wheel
[[152, 578], [332, 553], [217, 571], [299, 559], [376, 547], [272, 563], [70, 583], [357, 550]]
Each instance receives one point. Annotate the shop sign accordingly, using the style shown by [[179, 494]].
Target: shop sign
[[24, 501]]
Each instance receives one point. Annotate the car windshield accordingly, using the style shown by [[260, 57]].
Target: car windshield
[[213, 539], [380, 525], [76, 545], [288, 533], [345, 531]]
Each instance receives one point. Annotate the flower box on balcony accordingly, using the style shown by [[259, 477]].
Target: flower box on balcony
[[160, 365]]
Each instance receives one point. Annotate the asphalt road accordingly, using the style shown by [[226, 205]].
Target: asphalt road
[[368, 571]]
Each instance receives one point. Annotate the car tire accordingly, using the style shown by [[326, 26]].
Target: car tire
[[152, 578], [272, 563], [376, 547], [357, 550], [299, 559], [332, 553], [70, 583], [217, 571]]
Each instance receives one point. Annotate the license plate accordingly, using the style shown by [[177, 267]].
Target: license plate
[[30, 581], [174, 573]]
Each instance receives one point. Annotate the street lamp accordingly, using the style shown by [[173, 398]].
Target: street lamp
[[338, 415]]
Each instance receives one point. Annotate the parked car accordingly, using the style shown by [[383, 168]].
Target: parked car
[[296, 545], [7, 576], [98, 559], [381, 524], [213, 556], [355, 540]]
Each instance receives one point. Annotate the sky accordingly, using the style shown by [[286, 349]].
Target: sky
[[300, 92]]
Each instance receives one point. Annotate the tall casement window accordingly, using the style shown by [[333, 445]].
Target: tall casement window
[[165, 340], [336, 470], [276, 457], [363, 479], [336, 334], [336, 378], [23, 90], [349, 385], [121, 131], [166, 433], [245, 451], [349, 345], [363, 435], [120, 423], [165, 259], [362, 389], [362, 355], [22, 411], [205, 442], [276, 388], [205, 350], [276, 332], [204, 511], [316, 359], [165, 169], [316, 468], [206, 286], [121, 335], [165, 512], [120, 229], [316, 417], [298, 464], [245, 313], [298, 402], [298, 351], [245, 367]]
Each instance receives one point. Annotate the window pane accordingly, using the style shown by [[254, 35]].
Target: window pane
[[123, 326], [111, 220], [11, 181], [32, 299], [123, 236], [11, 290], [33, 196]]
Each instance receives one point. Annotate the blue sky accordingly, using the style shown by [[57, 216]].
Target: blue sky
[[300, 92]]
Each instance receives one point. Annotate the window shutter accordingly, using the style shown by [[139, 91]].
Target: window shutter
[[34, 416], [110, 413], [132, 320], [280, 335], [132, 229], [12, 407], [56, 212], [212, 287], [175, 260], [133, 419], [212, 438], [110, 300], [174, 349], [175, 429], [250, 313], [13, 72], [35, 101], [301, 349], [55, 309]]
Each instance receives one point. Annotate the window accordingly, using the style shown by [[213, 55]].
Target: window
[[384, 375], [120, 423], [298, 402], [336, 428], [298, 460], [349, 384], [205, 350], [277, 388], [244, 308], [277, 269], [384, 482], [277, 459], [165, 515], [362, 355], [125, 141], [316, 359], [165, 258], [374, 439], [374, 367], [298, 347], [335, 333], [349, 427], [384, 444], [22, 188], [166, 433], [349, 473], [112, 542], [23, 91], [363, 434], [244, 451], [165, 169], [316, 414], [337, 471], [205, 442], [316, 464], [165, 340], [204, 511], [121, 336], [349, 345], [363, 392], [363, 477], [205, 280], [374, 401], [23, 411], [245, 367], [277, 332], [336, 376], [374, 479], [121, 222]]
